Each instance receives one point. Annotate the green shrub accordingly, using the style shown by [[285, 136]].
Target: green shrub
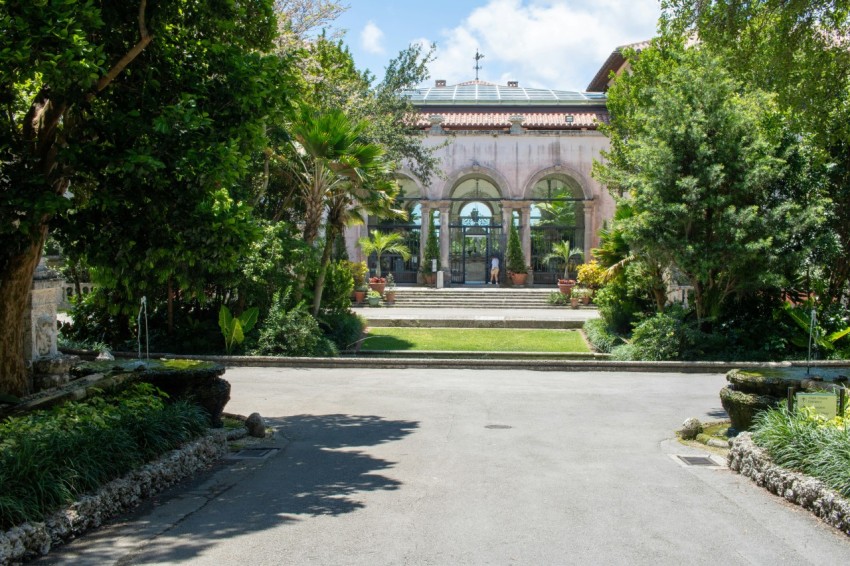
[[558, 299], [292, 332], [617, 306], [339, 285], [344, 329], [600, 336], [49, 458], [94, 323], [515, 260], [806, 443]]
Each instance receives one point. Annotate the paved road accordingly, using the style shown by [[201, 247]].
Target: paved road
[[468, 467]]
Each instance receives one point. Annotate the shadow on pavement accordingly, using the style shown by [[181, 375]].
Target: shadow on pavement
[[320, 472]]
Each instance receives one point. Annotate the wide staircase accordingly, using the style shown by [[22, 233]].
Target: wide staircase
[[483, 297]]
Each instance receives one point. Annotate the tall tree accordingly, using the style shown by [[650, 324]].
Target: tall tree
[[339, 171], [60, 65], [704, 166], [800, 50]]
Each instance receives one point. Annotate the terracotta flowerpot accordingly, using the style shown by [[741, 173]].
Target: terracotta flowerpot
[[429, 278], [389, 297], [586, 299], [379, 287], [574, 302], [518, 279], [359, 296], [566, 289]]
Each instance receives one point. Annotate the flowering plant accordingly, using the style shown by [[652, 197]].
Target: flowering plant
[[377, 280]]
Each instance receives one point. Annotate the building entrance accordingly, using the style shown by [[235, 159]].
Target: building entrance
[[474, 242]]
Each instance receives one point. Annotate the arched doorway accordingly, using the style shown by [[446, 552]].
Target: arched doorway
[[410, 230], [557, 215], [475, 230]]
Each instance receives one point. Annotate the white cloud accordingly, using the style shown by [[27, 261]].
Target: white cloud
[[542, 43], [371, 39]]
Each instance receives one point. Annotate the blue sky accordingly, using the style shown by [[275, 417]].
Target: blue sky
[[557, 44]]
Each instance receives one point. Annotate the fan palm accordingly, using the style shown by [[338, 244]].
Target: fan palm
[[380, 243], [339, 172], [562, 252]]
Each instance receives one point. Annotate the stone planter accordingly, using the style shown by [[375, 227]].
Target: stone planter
[[754, 390], [374, 301], [195, 380]]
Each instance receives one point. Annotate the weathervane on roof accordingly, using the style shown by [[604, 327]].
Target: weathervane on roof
[[478, 58]]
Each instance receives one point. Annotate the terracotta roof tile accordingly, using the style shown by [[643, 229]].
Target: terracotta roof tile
[[531, 120]]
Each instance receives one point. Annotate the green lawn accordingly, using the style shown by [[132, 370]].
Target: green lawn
[[475, 340]]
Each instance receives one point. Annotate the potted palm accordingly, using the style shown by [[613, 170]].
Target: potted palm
[[380, 243], [515, 259], [563, 253]]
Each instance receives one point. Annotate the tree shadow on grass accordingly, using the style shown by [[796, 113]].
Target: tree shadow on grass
[[385, 343], [321, 472]]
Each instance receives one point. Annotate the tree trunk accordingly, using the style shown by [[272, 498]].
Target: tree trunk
[[15, 285], [319, 287], [170, 307]]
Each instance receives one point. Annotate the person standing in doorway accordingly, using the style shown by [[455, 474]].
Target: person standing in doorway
[[494, 270]]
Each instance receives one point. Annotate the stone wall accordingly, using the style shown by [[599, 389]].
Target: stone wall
[[751, 461]]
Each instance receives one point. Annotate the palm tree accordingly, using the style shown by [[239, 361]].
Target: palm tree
[[561, 251], [381, 243], [339, 172]]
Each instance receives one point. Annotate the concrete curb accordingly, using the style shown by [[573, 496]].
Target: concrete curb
[[468, 363], [809, 493]]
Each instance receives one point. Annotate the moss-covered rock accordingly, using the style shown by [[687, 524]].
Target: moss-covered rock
[[196, 380], [742, 407]]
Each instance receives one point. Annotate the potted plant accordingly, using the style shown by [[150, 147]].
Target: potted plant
[[374, 298], [380, 243], [582, 294], [563, 253], [378, 284], [358, 274], [360, 293], [574, 300], [515, 260], [389, 291], [432, 254]]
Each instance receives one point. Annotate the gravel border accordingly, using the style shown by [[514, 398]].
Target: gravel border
[[29, 540], [809, 493]]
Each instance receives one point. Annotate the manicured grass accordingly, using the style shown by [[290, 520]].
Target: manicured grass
[[475, 340]]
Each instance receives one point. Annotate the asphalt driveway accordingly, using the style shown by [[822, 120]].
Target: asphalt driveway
[[467, 467]]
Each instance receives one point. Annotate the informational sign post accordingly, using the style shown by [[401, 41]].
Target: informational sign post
[[823, 404]]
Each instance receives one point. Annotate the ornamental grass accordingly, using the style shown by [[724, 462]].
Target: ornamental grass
[[807, 443], [49, 458]]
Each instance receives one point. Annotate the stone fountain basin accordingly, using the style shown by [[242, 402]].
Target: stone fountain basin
[[195, 380], [752, 391]]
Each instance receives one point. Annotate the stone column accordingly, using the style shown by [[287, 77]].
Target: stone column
[[49, 368], [525, 237], [425, 210], [445, 235], [588, 227]]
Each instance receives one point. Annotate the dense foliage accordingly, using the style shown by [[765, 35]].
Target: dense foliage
[[720, 190], [177, 148], [807, 443], [50, 458]]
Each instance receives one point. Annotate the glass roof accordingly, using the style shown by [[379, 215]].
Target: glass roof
[[478, 92]]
